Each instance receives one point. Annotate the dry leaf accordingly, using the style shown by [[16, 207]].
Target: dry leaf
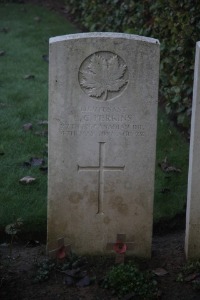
[[166, 167], [160, 272], [43, 122], [45, 57], [42, 133], [29, 76], [129, 296], [2, 53], [44, 169], [2, 150], [27, 126], [27, 180], [69, 281], [32, 243], [35, 161], [85, 281], [37, 19], [165, 191], [191, 277], [5, 29]]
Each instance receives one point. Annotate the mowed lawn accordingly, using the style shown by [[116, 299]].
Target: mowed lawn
[[24, 35], [24, 40]]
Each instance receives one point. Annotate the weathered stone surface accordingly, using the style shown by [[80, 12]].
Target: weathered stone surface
[[102, 139], [192, 239]]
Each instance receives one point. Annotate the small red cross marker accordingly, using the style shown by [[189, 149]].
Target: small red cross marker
[[61, 251], [120, 247]]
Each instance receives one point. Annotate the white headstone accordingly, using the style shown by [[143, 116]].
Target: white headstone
[[102, 140], [192, 239]]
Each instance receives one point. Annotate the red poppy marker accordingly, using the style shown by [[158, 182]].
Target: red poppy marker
[[62, 251], [120, 247]]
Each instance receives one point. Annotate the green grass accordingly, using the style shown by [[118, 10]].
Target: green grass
[[170, 188], [25, 100]]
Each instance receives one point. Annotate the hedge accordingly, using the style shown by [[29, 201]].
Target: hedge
[[175, 23]]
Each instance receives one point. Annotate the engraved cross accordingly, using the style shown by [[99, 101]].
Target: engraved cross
[[100, 169]]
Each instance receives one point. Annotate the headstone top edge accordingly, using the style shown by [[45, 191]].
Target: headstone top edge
[[102, 35], [198, 44]]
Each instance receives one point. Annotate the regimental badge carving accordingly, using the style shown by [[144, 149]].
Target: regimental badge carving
[[103, 75]]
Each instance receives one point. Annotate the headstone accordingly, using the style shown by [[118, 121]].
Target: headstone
[[192, 239], [103, 91]]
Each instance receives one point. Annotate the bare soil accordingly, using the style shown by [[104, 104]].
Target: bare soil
[[17, 275]]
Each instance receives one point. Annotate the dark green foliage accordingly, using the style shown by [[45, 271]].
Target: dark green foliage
[[175, 23], [190, 273], [44, 270], [126, 279]]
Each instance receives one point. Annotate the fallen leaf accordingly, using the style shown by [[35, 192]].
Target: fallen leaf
[[73, 272], [45, 57], [69, 281], [191, 277], [196, 281], [26, 164], [129, 296], [166, 167], [4, 245], [27, 126], [165, 191], [5, 29], [159, 294], [23, 9], [160, 272], [27, 180], [37, 19], [29, 76], [172, 169], [79, 262], [43, 122], [1, 151], [42, 133], [3, 104], [85, 281], [44, 169], [32, 243], [34, 162], [2, 53]]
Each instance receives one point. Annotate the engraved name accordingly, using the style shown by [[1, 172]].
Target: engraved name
[[101, 121]]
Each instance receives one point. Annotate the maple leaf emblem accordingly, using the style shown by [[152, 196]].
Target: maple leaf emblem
[[103, 75]]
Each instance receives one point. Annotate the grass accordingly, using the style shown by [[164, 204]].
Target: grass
[[24, 101], [24, 38], [170, 188]]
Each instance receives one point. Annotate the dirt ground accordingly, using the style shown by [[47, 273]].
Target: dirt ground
[[17, 276]]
